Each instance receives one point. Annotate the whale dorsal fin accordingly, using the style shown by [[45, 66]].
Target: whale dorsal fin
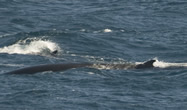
[[148, 64]]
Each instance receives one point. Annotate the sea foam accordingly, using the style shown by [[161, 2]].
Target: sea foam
[[162, 64], [31, 46]]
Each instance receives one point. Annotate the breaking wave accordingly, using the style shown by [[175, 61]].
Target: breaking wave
[[32, 46]]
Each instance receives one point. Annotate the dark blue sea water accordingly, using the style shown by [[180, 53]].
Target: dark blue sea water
[[107, 31]]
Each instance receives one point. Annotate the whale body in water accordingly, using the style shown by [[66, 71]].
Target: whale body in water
[[66, 66]]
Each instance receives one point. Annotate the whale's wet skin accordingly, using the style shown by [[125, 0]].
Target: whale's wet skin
[[63, 67], [66, 66]]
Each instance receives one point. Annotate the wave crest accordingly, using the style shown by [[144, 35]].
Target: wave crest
[[31, 46]]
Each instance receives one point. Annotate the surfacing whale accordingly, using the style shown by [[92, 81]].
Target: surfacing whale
[[66, 66]]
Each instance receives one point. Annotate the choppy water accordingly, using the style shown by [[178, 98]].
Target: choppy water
[[109, 31]]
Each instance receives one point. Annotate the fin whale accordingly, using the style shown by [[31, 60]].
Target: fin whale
[[66, 66]]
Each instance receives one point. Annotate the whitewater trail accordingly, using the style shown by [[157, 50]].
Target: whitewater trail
[[162, 64]]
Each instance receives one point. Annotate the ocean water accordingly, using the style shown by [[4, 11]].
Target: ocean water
[[97, 31]]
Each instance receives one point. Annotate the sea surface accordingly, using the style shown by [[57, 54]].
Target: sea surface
[[97, 31]]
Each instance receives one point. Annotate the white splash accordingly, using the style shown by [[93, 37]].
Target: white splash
[[31, 46], [107, 30], [162, 64]]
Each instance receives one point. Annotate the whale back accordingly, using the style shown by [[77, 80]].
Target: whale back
[[48, 67], [66, 66]]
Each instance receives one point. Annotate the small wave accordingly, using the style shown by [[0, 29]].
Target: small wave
[[107, 30], [4, 35], [12, 65], [162, 64], [103, 31], [31, 46]]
